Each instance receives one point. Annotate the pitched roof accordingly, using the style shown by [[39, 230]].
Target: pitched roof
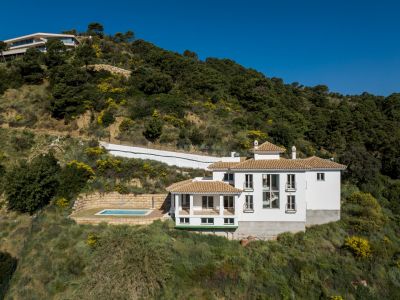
[[222, 165], [269, 147], [319, 163], [202, 186], [310, 163], [272, 164]]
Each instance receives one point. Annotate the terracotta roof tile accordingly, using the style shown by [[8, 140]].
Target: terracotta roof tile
[[272, 164], [319, 163], [269, 147], [222, 165], [203, 186], [289, 164]]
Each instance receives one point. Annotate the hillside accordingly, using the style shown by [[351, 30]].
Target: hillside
[[54, 108]]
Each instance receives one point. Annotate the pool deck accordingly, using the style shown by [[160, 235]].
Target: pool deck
[[88, 216]]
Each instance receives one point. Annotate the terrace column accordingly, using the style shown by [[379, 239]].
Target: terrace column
[[235, 203], [191, 204], [221, 205], [176, 196]]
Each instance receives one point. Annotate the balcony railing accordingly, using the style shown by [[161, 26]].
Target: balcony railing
[[291, 186], [248, 208], [207, 212], [290, 208], [248, 186]]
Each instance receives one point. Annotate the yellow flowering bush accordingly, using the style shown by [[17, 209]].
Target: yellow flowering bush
[[95, 151], [97, 50], [336, 298], [256, 134], [92, 240], [126, 125], [359, 246], [108, 164], [62, 202], [19, 117], [82, 167], [174, 121]]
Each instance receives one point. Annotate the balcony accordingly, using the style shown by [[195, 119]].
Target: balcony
[[207, 212], [291, 186]]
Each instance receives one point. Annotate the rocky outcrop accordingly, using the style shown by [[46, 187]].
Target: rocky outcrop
[[111, 69]]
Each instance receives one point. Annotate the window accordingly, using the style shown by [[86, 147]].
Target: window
[[207, 221], [270, 199], [248, 181], [229, 221], [291, 182], [291, 203], [270, 182], [271, 191], [248, 205], [184, 220], [207, 202], [321, 176], [228, 202], [228, 177], [185, 201]]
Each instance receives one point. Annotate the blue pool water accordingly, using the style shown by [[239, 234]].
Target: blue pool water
[[124, 212]]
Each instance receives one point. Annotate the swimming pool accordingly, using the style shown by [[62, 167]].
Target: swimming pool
[[124, 212]]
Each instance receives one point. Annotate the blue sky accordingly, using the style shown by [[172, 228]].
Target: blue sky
[[351, 46]]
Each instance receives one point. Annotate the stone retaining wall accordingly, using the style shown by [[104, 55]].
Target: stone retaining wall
[[111, 69], [116, 200], [116, 221]]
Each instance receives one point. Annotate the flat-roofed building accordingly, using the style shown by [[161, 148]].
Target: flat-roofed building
[[18, 46]]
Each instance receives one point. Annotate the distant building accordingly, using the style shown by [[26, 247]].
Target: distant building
[[262, 196], [18, 46]]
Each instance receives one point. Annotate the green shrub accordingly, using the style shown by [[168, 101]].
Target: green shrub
[[73, 178], [29, 187], [364, 212], [153, 129], [22, 141]]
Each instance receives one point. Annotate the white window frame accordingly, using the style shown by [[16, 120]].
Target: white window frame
[[248, 181], [268, 205], [229, 221], [229, 200], [186, 198], [291, 203], [208, 221], [208, 202], [248, 203], [229, 177], [291, 182], [185, 220], [267, 182]]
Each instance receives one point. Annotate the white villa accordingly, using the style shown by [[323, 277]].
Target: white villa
[[18, 46], [262, 196]]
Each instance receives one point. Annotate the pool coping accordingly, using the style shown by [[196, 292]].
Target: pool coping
[[149, 211]]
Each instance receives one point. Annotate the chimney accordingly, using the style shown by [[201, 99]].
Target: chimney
[[255, 144], [294, 152]]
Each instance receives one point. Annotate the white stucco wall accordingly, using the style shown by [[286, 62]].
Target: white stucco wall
[[258, 156], [171, 158], [323, 195], [271, 214]]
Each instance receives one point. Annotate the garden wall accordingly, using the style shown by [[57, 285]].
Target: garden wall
[[117, 200], [171, 158]]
